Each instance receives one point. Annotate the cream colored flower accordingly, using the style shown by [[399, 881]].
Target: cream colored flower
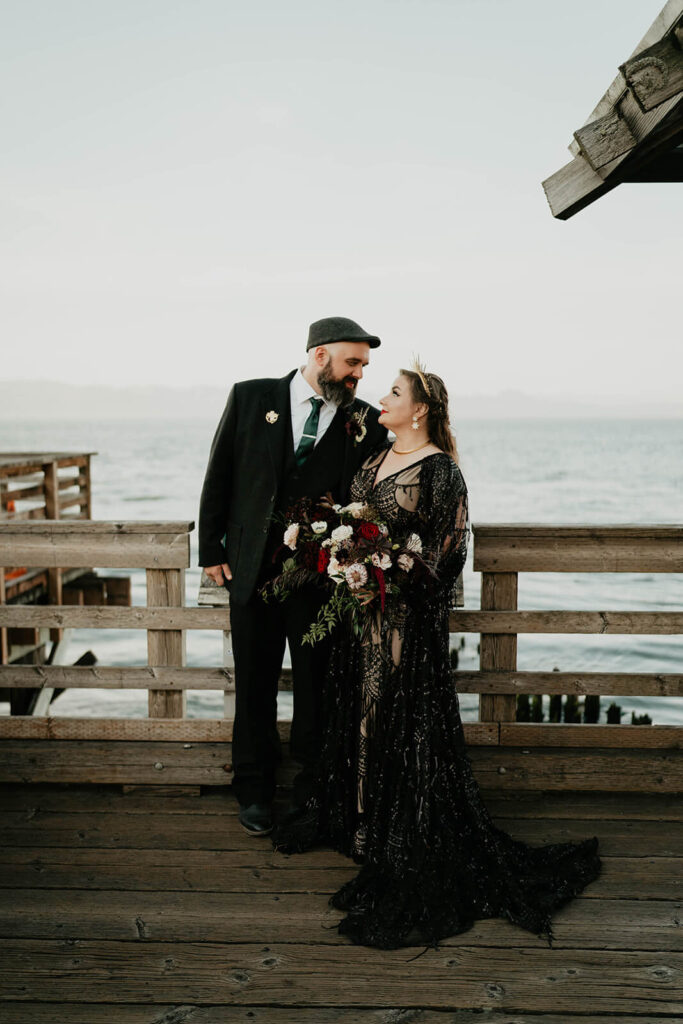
[[319, 526], [356, 575], [381, 561], [272, 416], [414, 544], [291, 535], [354, 509], [341, 533], [405, 562]]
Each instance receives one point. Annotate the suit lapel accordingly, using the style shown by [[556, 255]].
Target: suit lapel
[[279, 434]]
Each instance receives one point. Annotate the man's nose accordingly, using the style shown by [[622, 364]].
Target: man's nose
[[358, 372]]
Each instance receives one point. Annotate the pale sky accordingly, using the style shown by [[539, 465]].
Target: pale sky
[[187, 185]]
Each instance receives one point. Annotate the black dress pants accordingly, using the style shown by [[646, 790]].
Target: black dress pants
[[259, 631]]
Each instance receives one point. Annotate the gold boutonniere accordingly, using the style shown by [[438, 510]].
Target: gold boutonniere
[[272, 416], [355, 425]]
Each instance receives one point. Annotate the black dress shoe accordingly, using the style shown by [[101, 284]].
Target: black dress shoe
[[256, 819]]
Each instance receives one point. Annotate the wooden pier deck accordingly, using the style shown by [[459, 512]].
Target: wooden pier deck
[[153, 907]]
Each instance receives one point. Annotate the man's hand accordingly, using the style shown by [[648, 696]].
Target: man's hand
[[217, 572]]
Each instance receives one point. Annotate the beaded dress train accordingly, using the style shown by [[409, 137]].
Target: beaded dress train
[[395, 790]]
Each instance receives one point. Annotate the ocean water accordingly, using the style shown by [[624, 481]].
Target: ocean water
[[530, 471]]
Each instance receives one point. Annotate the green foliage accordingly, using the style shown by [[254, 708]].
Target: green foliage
[[614, 714], [640, 719]]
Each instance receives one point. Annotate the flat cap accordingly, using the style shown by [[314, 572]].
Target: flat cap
[[338, 328]]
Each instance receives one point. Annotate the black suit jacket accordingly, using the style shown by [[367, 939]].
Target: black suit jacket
[[246, 466]]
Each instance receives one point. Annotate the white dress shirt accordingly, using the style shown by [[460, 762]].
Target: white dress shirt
[[300, 394]]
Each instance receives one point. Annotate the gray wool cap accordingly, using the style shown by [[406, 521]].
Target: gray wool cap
[[338, 328]]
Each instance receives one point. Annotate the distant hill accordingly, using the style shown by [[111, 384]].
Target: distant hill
[[34, 400]]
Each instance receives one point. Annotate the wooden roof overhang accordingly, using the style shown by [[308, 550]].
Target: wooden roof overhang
[[635, 133]]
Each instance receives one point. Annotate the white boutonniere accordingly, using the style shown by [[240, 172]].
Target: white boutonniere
[[272, 416], [355, 425]]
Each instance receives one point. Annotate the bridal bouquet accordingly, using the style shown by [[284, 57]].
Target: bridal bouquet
[[348, 550]]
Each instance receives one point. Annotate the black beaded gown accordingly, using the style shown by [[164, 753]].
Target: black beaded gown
[[395, 789]]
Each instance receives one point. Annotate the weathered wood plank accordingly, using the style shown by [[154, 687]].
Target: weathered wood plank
[[521, 547], [197, 730], [612, 982], [120, 550], [587, 769], [305, 917], [166, 647], [58, 529], [115, 762], [256, 869], [655, 74], [101, 1013], [101, 799], [642, 684], [116, 677], [209, 764], [173, 831], [605, 139], [650, 623], [108, 617], [544, 734], [498, 652]]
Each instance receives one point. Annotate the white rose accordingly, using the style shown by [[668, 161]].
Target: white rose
[[337, 507], [326, 543], [414, 544], [405, 562], [334, 570], [382, 562], [291, 535], [356, 575], [354, 508], [342, 533], [319, 526]]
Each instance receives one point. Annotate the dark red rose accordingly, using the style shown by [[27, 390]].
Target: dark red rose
[[367, 530], [323, 559]]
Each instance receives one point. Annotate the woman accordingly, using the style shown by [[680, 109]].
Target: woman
[[396, 790]]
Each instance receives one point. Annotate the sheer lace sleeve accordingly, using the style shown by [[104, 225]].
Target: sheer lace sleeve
[[444, 509]]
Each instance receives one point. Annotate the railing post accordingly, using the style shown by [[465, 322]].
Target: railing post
[[166, 588], [54, 576], [85, 508], [498, 651]]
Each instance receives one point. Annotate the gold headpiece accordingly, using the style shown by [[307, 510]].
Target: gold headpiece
[[421, 370]]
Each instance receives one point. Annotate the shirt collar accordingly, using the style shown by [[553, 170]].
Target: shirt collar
[[303, 392]]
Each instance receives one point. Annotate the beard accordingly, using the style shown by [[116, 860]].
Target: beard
[[336, 390]]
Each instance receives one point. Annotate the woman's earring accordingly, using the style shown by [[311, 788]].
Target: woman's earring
[[415, 425]]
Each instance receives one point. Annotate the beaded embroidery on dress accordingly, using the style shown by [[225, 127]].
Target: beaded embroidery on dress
[[395, 789]]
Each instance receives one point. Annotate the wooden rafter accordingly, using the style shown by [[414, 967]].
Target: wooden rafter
[[635, 131]]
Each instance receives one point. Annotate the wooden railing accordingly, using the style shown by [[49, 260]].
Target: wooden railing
[[505, 752]]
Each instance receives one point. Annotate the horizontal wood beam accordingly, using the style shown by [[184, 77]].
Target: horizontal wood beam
[[507, 548], [112, 617], [649, 623], [643, 684], [56, 528], [209, 764], [505, 622], [77, 546], [188, 730], [560, 734], [209, 730]]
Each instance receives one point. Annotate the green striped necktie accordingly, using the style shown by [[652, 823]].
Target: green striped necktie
[[307, 442]]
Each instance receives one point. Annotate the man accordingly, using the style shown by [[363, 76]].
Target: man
[[280, 440]]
